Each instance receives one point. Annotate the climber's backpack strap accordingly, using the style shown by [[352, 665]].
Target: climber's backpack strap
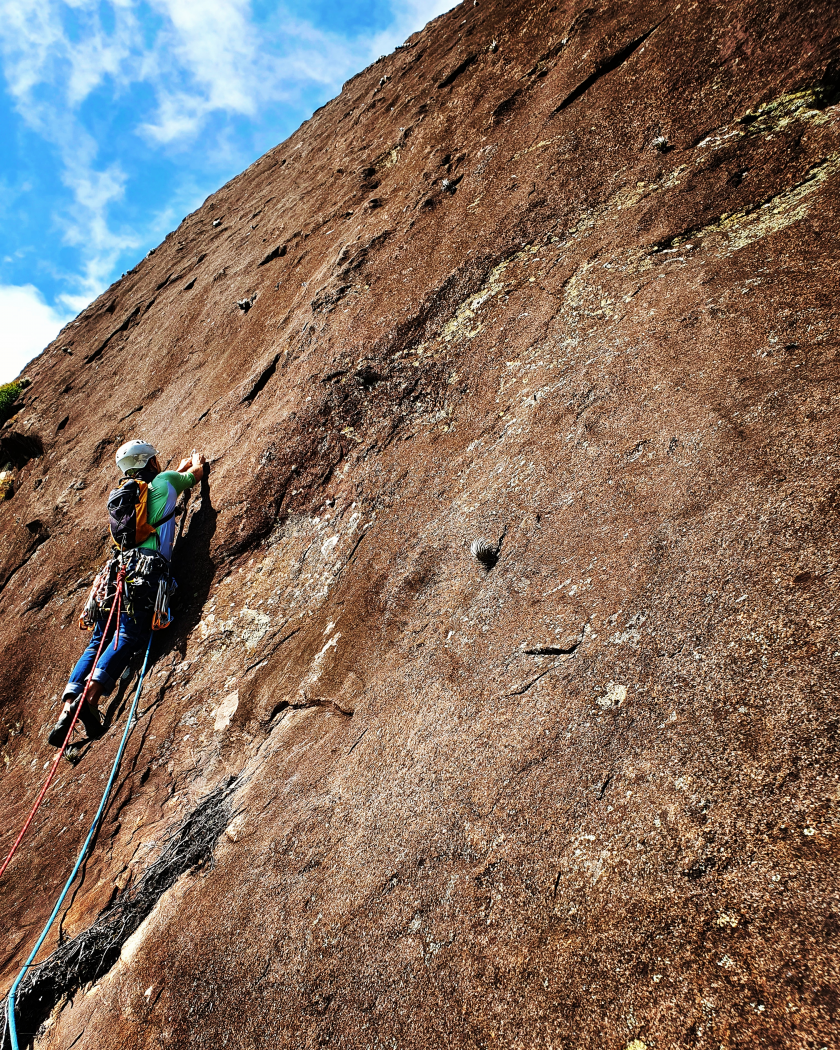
[[128, 514]]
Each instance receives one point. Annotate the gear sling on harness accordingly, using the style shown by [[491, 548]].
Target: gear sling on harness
[[148, 585]]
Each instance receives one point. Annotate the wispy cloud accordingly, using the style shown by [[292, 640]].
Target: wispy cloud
[[205, 60], [183, 64], [88, 227], [50, 44], [54, 56], [28, 324], [211, 57]]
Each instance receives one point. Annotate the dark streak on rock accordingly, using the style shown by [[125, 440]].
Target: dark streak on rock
[[608, 65], [126, 324], [462, 67], [275, 253], [358, 741], [261, 381], [92, 953]]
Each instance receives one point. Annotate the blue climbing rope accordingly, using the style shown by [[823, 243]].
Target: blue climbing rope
[[129, 725]]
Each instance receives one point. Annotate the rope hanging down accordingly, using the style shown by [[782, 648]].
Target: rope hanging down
[[83, 700], [129, 725]]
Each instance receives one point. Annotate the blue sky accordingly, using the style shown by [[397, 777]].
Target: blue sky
[[118, 117]]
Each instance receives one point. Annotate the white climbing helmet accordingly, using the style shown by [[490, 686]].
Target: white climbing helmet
[[134, 455]]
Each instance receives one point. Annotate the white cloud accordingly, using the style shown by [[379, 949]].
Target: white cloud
[[39, 49], [50, 71], [196, 58], [212, 58], [86, 225], [28, 324]]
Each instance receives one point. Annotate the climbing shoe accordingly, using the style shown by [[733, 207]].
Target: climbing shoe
[[91, 720], [59, 734]]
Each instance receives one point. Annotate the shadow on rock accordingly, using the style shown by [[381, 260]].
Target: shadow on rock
[[193, 568]]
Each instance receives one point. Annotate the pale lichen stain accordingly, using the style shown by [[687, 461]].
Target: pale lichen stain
[[743, 228], [225, 712], [614, 697]]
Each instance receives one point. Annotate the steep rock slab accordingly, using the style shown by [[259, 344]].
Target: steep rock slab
[[558, 277]]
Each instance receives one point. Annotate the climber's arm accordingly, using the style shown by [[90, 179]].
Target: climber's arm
[[194, 466]]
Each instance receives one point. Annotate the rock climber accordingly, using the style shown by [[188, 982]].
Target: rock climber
[[142, 518]]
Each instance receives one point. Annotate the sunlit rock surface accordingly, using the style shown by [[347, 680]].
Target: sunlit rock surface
[[559, 278]]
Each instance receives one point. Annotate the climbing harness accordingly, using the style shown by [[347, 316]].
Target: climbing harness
[[149, 585], [10, 1002], [62, 749]]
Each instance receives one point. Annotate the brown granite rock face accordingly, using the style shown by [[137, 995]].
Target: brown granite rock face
[[561, 278]]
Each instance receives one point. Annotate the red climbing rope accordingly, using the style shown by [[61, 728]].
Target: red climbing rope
[[117, 629], [114, 605]]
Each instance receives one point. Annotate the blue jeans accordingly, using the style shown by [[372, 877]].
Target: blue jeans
[[134, 633]]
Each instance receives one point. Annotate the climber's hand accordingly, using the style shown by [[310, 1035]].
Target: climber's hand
[[196, 465]]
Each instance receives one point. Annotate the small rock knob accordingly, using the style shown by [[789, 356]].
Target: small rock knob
[[484, 552]]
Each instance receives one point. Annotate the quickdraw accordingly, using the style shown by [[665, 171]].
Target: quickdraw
[[97, 599], [162, 615]]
